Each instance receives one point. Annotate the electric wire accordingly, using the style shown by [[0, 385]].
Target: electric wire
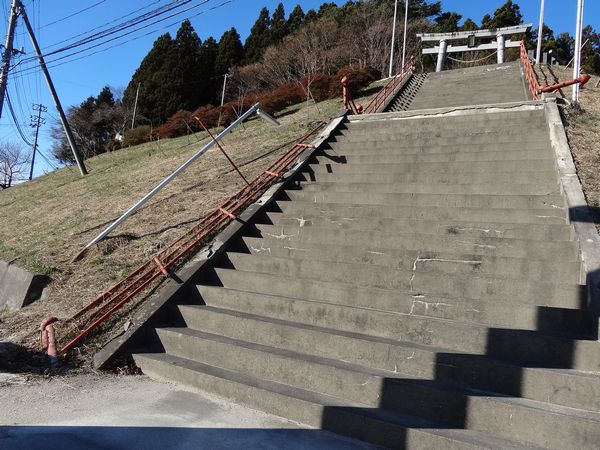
[[28, 70], [15, 121], [81, 11]]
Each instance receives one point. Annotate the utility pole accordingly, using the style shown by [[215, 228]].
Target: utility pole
[[578, 38], [137, 95], [538, 58], [36, 122], [393, 38], [61, 113], [222, 100], [405, 32], [8, 50]]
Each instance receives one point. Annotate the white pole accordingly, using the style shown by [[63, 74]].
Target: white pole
[[393, 39], [578, 37], [222, 100], [405, 31], [540, 34]]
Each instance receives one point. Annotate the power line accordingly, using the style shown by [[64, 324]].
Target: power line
[[118, 28], [29, 70], [16, 122], [72, 15]]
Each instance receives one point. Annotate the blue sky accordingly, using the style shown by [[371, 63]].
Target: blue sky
[[79, 79]]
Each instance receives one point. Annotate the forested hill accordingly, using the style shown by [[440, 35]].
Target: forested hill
[[287, 56]]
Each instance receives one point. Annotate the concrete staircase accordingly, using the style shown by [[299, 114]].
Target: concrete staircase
[[417, 287]]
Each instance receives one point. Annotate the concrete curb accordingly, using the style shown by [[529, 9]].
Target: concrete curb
[[579, 212], [155, 309]]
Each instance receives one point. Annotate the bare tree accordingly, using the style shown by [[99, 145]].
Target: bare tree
[[13, 162]]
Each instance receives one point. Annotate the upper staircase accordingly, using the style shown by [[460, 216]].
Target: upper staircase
[[417, 286]]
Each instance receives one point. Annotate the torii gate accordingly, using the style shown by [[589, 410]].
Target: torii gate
[[442, 49]]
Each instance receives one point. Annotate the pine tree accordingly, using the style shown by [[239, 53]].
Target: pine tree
[[507, 15], [208, 57], [296, 19], [231, 52], [153, 79], [259, 38], [447, 22], [279, 26], [468, 25]]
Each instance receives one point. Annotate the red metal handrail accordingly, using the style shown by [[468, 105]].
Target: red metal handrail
[[534, 85], [173, 256], [390, 87]]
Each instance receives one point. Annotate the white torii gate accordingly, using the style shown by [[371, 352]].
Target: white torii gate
[[442, 49]]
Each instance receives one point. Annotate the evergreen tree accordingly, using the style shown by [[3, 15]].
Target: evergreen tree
[[311, 15], [279, 26], [208, 82], [231, 52], [447, 22], [185, 71], [296, 19], [507, 15], [590, 54], [259, 38], [153, 79], [468, 25]]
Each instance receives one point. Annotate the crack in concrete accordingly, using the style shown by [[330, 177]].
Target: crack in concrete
[[426, 304]]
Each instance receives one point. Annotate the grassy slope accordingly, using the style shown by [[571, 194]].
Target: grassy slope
[[583, 130], [47, 221]]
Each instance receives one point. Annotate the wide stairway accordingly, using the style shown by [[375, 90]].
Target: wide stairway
[[417, 287]]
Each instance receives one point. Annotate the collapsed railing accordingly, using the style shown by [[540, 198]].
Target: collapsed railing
[[390, 88], [160, 266]]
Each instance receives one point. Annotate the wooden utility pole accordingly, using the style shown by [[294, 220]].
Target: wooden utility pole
[[36, 122]]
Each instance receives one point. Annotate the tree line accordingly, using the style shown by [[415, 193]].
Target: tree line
[[184, 73]]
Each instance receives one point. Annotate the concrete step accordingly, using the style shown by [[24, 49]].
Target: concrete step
[[495, 141], [494, 314], [362, 148], [374, 156], [338, 292], [536, 130], [375, 388], [530, 348], [413, 281], [499, 215], [431, 177], [492, 121], [485, 246], [537, 231], [552, 201], [442, 188], [449, 168], [320, 411], [555, 270], [564, 387]]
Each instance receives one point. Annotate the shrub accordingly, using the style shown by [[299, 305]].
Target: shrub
[[138, 135], [280, 98], [179, 124], [321, 86], [358, 79]]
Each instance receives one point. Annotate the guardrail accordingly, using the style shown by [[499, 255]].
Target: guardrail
[[161, 265], [390, 88]]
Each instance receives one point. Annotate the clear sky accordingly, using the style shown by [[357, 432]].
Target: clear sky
[[78, 79]]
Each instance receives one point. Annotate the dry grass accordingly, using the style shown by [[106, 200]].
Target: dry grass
[[47, 221], [582, 124]]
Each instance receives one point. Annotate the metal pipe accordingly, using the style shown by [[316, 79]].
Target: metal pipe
[[167, 180], [405, 32], [540, 34], [393, 38], [578, 38]]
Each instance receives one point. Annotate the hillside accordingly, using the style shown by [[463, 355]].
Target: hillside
[[47, 221]]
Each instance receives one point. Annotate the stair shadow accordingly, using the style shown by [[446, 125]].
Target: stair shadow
[[498, 372]]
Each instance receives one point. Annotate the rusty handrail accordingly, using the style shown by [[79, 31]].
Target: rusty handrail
[[532, 81], [161, 265], [390, 87]]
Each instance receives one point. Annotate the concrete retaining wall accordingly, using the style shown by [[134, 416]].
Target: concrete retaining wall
[[18, 287]]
